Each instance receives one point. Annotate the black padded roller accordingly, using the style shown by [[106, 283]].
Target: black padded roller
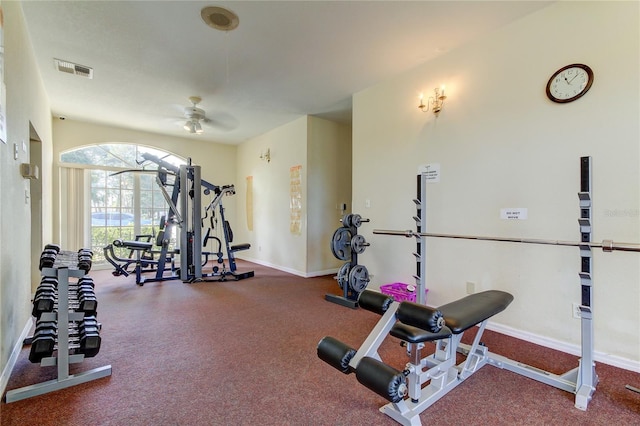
[[386, 381], [374, 301], [420, 316], [335, 353]]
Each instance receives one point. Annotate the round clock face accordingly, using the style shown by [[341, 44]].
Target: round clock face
[[569, 83]]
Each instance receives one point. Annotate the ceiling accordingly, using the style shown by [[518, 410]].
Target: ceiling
[[286, 59]]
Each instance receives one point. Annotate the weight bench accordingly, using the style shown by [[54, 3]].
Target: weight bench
[[415, 325]]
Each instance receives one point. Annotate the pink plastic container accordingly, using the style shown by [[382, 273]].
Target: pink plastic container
[[400, 293]]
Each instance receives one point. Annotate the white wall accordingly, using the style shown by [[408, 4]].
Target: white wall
[[26, 102], [272, 242], [501, 143], [322, 148], [329, 186]]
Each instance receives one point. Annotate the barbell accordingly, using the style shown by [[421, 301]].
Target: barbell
[[605, 245]]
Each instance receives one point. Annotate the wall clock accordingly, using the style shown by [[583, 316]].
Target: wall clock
[[569, 83]]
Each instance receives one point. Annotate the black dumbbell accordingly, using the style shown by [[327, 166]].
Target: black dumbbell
[[49, 252], [89, 343], [88, 304], [86, 251], [49, 280], [90, 321], [43, 303], [42, 345], [88, 330], [46, 286], [45, 325], [85, 289], [47, 260], [53, 247], [84, 265], [86, 281], [45, 289]]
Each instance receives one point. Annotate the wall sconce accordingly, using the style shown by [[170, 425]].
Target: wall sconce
[[435, 102], [266, 156]]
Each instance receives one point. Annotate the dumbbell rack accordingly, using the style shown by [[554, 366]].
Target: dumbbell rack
[[344, 248], [62, 358]]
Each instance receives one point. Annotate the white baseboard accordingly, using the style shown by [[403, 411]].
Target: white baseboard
[[573, 349], [289, 270], [6, 372]]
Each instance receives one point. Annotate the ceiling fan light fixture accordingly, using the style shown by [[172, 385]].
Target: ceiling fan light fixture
[[191, 126], [193, 114]]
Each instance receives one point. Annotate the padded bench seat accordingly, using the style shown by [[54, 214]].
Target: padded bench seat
[[473, 309], [459, 316], [133, 245], [411, 334]]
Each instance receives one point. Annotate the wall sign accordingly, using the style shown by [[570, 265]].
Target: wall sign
[[514, 213], [432, 172]]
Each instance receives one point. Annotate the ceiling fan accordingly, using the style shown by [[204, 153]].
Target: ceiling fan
[[194, 115]]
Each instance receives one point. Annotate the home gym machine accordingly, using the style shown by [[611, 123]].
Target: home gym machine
[[426, 380], [185, 212]]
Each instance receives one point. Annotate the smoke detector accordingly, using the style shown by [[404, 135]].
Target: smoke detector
[[219, 18]]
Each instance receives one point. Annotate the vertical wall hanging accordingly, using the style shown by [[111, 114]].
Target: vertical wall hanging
[[249, 203], [295, 203]]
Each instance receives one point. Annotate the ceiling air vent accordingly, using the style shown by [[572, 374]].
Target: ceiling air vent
[[71, 68]]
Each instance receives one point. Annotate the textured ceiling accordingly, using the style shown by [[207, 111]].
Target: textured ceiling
[[286, 59]]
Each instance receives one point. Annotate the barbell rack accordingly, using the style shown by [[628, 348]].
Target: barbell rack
[[583, 379]]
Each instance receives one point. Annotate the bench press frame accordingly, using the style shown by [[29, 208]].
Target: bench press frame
[[581, 380]]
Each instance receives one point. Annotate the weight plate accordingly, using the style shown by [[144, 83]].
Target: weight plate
[[358, 278], [356, 220], [358, 244], [346, 220], [343, 275], [341, 244]]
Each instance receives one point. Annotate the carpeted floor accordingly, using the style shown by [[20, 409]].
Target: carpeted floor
[[244, 352]]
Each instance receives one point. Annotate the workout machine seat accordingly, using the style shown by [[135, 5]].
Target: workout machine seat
[[133, 245], [239, 247]]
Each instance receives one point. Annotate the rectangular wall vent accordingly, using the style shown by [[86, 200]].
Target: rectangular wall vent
[[71, 68]]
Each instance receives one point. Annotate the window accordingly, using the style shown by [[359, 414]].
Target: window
[[123, 203]]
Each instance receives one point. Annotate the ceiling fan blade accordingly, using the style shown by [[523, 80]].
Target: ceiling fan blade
[[222, 121]]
